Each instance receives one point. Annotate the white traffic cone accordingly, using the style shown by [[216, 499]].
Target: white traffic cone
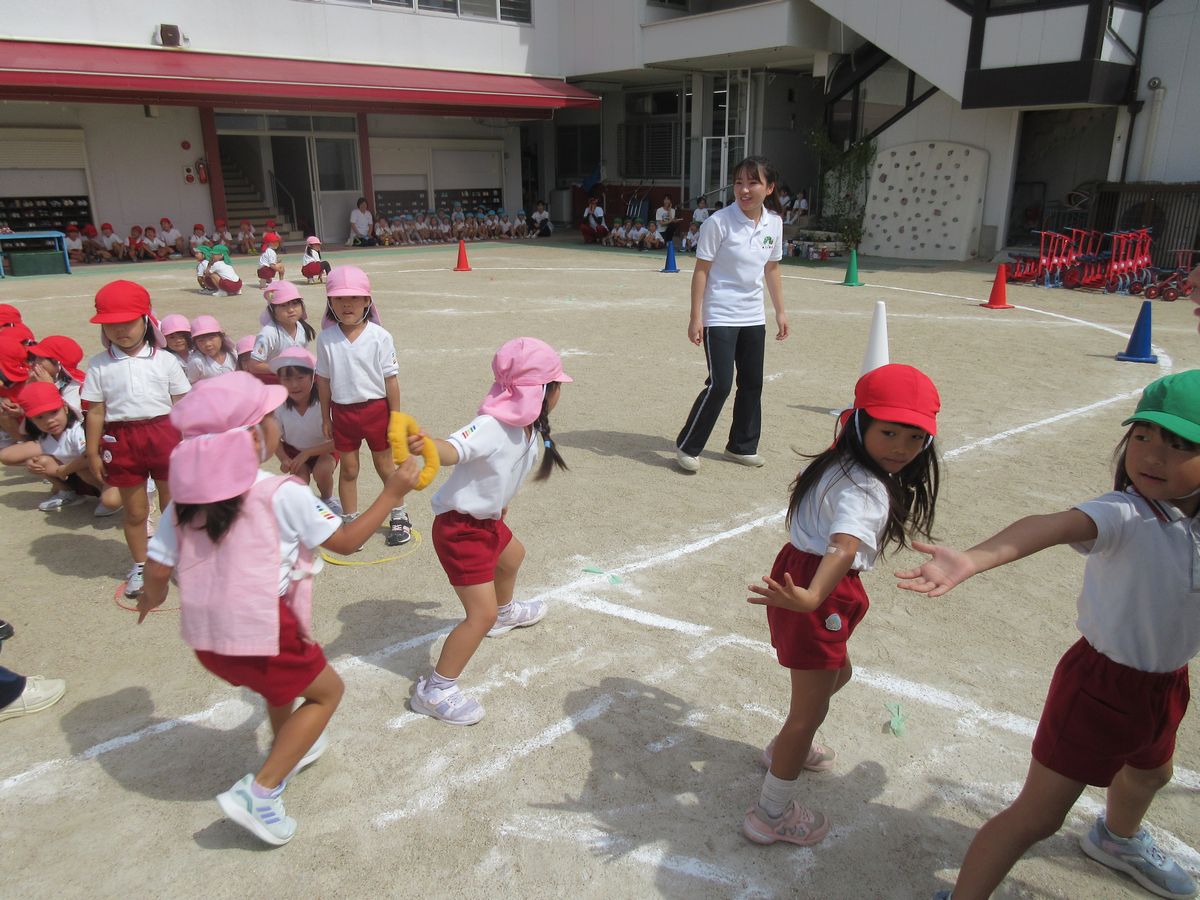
[[877, 342]]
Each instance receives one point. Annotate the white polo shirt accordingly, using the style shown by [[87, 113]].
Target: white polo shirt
[[134, 387], [493, 460], [170, 237], [360, 222], [198, 366], [273, 340], [68, 446], [301, 517], [739, 251], [222, 269], [301, 431], [1140, 602], [356, 371], [268, 257], [845, 501], [699, 214]]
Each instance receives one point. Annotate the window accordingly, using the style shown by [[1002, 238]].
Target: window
[[520, 11], [450, 6], [650, 136], [517, 11], [577, 148], [479, 9], [673, 4]]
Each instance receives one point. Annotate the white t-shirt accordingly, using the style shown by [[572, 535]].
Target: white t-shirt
[[382, 228], [110, 240], [302, 518], [134, 387], [637, 232], [691, 239], [222, 237], [222, 269], [493, 460], [618, 233], [152, 244], [74, 243], [199, 366], [70, 395], [541, 217], [196, 240], [664, 217], [268, 258], [700, 214], [356, 371], [739, 250], [1140, 602], [68, 446], [845, 501], [169, 237], [595, 216], [273, 340], [301, 431], [311, 254], [360, 223]]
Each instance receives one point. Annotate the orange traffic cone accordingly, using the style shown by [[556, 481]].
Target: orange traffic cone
[[463, 265], [999, 295]]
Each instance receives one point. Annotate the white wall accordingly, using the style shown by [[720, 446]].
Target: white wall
[[136, 163], [303, 29]]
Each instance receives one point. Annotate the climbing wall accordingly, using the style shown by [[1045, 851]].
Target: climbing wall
[[926, 201]]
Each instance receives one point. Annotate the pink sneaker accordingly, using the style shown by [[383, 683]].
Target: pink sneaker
[[798, 825], [820, 758]]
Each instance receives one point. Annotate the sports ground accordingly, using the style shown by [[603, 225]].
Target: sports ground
[[620, 749]]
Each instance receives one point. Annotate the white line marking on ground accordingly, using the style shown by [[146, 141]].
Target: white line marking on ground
[[436, 796]]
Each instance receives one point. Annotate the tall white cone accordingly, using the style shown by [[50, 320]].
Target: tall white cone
[[877, 342]]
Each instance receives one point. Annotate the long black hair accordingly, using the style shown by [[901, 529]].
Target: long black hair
[[551, 458], [764, 170], [912, 492], [214, 519], [310, 333], [36, 433]]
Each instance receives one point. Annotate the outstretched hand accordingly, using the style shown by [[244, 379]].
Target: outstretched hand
[[784, 596], [944, 570]]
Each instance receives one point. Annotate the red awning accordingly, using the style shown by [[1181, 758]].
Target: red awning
[[34, 70]]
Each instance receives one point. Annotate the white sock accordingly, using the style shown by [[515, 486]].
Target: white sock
[[502, 611], [776, 795], [440, 682]]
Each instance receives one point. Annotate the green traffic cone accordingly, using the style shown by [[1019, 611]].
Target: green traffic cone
[[852, 270]]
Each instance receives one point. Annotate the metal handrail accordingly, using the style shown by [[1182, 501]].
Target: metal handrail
[[276, 183]]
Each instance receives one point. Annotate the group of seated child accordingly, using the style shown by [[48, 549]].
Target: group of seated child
[[446, 226], [639, 235]]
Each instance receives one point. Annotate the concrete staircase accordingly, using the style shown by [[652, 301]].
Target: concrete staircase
[[243, 201]]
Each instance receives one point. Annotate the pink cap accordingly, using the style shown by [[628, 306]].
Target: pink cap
[[216, 459], [277, 293], [202, 325], [312, 239], [348, 281], [293, 356], [523, 367], [174, 323], [245, 344]]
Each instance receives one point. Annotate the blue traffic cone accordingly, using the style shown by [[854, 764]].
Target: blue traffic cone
[[1139, 342], [670, 266]]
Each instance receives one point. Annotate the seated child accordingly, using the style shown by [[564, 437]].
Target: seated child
[[304, 451], [653, 239], [198, 237], [244, 349], [221, 234], [691, 238], [93, 247], [504, 227], [520, 226], [136, 244], [383, 232], [112, 242], [636, 235], [616, 236], [203, 256], [701, 212], [74, 242], [247, 240], [154, 245], [172, 240]]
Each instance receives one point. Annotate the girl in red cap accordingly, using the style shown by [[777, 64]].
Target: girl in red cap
[[112, 243], [199, 238], [221, 234], [14, 372], [56, 359], [131, 387], [154, 245], [269, 266], [240, 544], [74, 242], [491, 456], [56, 431], [173, 241], [247, 239], [876, 486]]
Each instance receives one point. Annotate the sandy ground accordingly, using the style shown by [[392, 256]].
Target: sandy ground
[[621, 742]]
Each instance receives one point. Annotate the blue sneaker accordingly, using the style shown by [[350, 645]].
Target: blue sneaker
[[1140, 858], [264, 817]]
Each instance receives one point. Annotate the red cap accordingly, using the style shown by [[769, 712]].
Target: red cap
[[14, 358], [896, 393], [165, 221], [133, 228], [72, 227], [9, 315], [89, 229], [121, 301], [20, 331], [197, 227], [38, 397], [245, 221], [64, 351], [269, 238], [220, 223], [107, 225]]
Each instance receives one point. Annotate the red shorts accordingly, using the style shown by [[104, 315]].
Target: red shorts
[[230, 287], [313, 269], [1100, 716], [266, 273], [135, 451], [354, 423], [817, 639], [280, 679], [312, 460], [468, 548]]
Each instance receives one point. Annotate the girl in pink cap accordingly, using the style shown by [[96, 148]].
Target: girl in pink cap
[[284, 325], [214, 353], [243, 348], [240, 543], [492, 455], [874, 487], [177, 332], [304, 451], [311, 265]]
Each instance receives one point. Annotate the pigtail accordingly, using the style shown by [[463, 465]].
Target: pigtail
[[310, 333], [551, 458], [215, 519]]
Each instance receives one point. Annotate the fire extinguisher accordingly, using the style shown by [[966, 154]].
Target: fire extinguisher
[[202, 171]]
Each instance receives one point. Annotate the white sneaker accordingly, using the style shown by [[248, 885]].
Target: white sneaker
[[521, 614], [59, 500], [102, 511], [687, 463], [746, 459], [451, 706], [335, 506], [135, 581], [39, 693], [222, 294], [315, 752], [264, 817]]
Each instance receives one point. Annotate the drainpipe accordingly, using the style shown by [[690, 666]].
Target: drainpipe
[[1134, 104], [1159, 93]]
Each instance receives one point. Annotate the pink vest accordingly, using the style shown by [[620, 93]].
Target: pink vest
[[229, 592]]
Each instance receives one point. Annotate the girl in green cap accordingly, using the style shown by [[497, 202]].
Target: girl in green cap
[[1119, 694]]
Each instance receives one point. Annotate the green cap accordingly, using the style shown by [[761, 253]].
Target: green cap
[[1174, 403]]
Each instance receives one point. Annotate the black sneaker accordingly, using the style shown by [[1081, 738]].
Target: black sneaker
[[400, 528]]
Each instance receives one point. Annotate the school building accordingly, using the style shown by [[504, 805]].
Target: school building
[[992, 117]]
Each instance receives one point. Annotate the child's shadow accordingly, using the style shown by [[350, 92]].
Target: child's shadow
[[651, 449], [80, 555], [172, 759], [404, 632]]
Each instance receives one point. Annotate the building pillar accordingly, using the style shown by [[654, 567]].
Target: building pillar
[[212, 154], [364, 161]]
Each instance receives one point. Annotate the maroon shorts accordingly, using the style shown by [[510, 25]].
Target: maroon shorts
[[266, 273], [468, 548], [313, 269], [135, 451], [232, 288], [280, 679], [817, 639], [354, 423], [312, 460], [1100, 716]]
